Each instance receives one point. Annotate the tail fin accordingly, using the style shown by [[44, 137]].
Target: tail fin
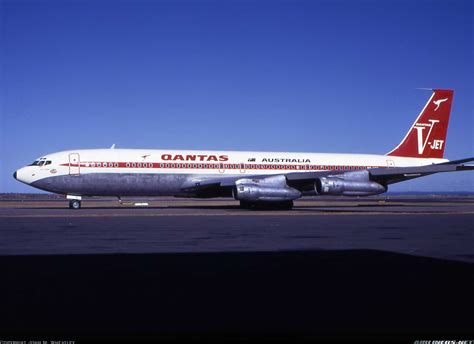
[[427, 136]]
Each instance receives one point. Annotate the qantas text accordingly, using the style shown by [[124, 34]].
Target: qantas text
[[194, 157]]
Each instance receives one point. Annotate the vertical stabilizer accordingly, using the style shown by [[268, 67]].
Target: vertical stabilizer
[[427, 136]]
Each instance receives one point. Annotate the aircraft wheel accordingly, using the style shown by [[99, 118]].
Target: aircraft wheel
[[74, 204], [287, 205], [246, 205]]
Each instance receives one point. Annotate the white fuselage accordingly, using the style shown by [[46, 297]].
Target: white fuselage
[[188, 164]]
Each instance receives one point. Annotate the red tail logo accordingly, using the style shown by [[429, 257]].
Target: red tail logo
[[427, 136]]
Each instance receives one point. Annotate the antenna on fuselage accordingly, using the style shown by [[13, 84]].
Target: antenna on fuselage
[[113, 146]]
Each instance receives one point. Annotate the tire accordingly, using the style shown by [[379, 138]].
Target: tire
[[75, 204], [246, 205], [286, 205]]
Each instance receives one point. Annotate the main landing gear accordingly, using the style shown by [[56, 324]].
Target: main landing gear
[[286, 205]]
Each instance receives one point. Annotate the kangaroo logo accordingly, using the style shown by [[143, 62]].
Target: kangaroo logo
[[438, 102], [422, 143]]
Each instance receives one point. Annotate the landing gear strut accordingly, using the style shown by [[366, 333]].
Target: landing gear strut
[[74, 204]]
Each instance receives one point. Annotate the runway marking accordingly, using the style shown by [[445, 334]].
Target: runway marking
[[227, 214]]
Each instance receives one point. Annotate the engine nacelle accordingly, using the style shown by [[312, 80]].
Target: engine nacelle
[[270, 189], [349, 184], [256, 193]]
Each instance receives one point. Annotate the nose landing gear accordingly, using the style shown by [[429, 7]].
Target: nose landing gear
[[74, 204]]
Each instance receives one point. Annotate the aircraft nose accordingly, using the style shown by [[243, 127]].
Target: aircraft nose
[[25, 175]]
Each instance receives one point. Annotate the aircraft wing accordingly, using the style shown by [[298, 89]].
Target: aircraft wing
[[385, 175], [222, 186], [304, 181], [215, 186]]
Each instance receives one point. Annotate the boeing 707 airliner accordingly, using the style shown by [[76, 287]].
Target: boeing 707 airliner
[[254, 178]]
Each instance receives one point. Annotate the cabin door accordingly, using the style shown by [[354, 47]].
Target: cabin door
[[74, 164]]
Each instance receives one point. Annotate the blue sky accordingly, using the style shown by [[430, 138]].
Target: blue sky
[[315, 76]]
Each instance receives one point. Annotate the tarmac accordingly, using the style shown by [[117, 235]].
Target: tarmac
[[379, 268], [437, 226]]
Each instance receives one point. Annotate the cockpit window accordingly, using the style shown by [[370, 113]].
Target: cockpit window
[[41, 162]]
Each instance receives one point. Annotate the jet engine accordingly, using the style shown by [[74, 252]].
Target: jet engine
[[349, 184], [270, 189]]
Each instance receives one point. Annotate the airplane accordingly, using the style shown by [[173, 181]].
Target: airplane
[[256, 179]]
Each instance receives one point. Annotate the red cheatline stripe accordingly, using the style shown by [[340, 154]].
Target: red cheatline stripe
[[219, 166]]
